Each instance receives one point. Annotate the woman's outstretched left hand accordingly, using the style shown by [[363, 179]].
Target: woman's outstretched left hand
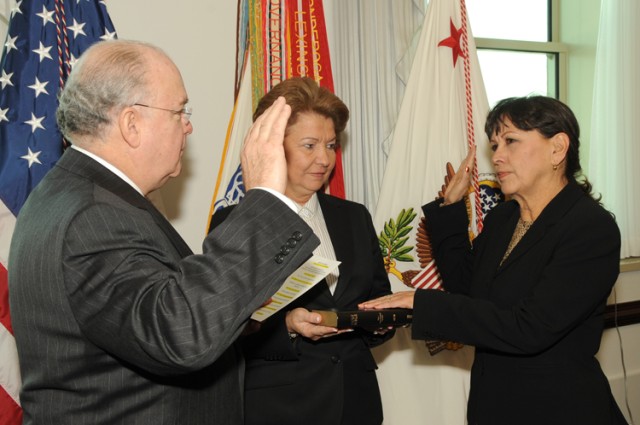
[[397, 300]]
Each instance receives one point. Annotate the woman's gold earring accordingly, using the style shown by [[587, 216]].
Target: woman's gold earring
[[555, 167]]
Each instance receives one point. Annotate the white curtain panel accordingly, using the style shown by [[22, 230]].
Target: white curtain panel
[[614, 156], [371, 53]]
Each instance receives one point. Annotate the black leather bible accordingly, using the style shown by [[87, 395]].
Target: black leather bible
[[367, 319]]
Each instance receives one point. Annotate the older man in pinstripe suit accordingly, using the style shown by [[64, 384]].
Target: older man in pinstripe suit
[[116, 320]]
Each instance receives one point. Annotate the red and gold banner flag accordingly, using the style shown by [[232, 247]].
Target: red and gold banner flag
[[282, 39]]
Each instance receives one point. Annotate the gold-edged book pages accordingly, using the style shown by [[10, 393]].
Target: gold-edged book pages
[[367, 319]]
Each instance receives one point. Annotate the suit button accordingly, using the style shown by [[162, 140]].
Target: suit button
[[291, 243], [279, 258], [335, 359], [285, 250], [297, 235]]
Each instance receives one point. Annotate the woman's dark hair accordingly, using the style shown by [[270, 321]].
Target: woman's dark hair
[[303, 94], [549, 117]]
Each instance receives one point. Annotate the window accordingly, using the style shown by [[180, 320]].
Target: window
[[510, 20], [516, 48]]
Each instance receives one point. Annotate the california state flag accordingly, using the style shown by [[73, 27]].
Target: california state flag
[[442, 114]]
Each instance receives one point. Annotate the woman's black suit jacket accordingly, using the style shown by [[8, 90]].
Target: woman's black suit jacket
[[536, 320], [331, 381]]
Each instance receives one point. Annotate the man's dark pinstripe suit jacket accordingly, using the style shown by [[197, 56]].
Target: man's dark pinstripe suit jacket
[[116, 321]]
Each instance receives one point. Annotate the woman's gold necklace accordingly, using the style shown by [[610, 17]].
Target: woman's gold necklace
[[521, 228]]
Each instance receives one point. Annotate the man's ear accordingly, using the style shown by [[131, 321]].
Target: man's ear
[[560, 143], [129, 125]]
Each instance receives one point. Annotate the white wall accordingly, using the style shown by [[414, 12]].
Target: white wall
[[199, 35], [624, 343], [579, 31]]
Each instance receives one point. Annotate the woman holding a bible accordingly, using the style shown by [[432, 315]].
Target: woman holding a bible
[[531, 290], [297, 370]]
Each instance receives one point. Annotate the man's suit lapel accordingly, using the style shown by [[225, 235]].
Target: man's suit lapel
[[338, 225], [81, 164]]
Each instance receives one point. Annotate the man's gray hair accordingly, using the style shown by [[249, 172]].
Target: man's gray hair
[[108, 77]]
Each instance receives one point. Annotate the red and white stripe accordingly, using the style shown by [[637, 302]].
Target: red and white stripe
[[428, 278], [10, 381]]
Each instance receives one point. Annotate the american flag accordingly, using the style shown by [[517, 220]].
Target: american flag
[[44, 39]]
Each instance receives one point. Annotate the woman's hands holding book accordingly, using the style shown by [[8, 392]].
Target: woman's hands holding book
[[306, 323]]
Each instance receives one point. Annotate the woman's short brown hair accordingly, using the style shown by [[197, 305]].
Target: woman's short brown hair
[[303, 94]]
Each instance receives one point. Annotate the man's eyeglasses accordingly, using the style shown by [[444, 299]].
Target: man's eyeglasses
[[185, 113]]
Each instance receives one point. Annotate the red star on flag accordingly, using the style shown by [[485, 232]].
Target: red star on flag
[[453, 41]]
